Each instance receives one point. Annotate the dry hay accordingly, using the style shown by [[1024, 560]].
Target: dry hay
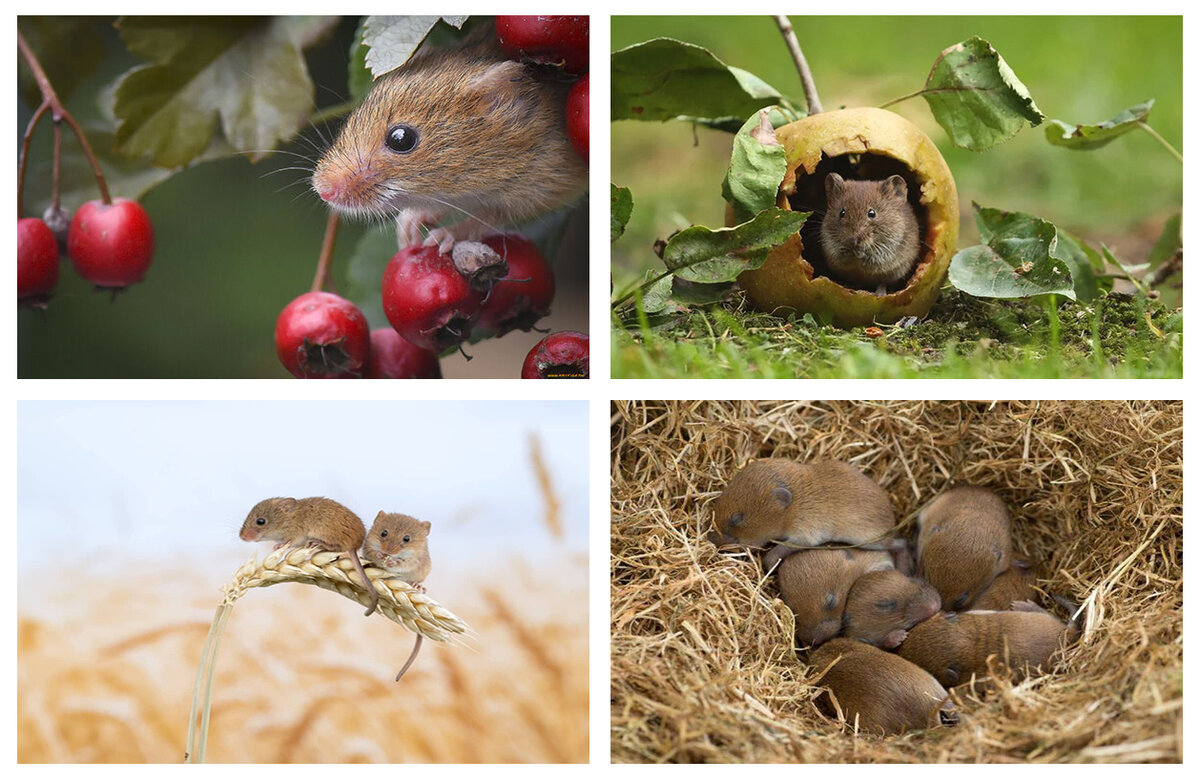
[[703, 667]]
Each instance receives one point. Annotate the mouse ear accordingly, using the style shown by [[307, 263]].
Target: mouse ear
[[896, 185], [379, 515], [834, 185], [287, 503], [784, 495], [425, 525], [498, 75]]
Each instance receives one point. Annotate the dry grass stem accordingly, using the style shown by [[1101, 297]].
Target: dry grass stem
[[703, 663]]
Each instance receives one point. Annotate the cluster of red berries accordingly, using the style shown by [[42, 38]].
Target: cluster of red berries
[[432, 306]]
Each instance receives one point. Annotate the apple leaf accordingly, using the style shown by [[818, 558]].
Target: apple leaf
[[756, 168], [1021, 256], [665, 79], [620, 210], [391, 40], [247, 73], [976, 97], [359, 77], [700, 254], [1061, 134]]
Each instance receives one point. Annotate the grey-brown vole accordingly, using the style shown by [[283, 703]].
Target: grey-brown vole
[[869, 234]]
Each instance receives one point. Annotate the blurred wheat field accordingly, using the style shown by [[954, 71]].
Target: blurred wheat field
[[303, 677]]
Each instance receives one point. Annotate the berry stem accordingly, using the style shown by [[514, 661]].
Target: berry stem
[[60, 113], [25, 140], [56, 180], [806, 77], [326, 260]]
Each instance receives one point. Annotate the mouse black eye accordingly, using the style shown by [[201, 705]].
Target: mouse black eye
[[842, 213], [736, 519], [407, 538], [871, 214], [260, 521], [401, 138]]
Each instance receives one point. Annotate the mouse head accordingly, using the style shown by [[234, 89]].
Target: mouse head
[[815, 584], [856, 210], [755, 507], [882, 606], [397, 536], [963, 575], [270, 519]]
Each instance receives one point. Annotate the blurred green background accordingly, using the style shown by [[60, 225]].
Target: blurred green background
[[1078, 69], [236, 242]]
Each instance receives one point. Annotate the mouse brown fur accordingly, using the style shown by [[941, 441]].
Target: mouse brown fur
[[869, 233], [964, 541], [400, 545], [883, 692], [814, 584], [489, 141], [882, 606], [312, 521], [1011, 586], [794, 505], [955, 647]]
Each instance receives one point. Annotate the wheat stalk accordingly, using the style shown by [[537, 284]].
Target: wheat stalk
[[332, 570]]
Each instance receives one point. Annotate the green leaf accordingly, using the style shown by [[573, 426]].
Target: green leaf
[[702, 254], [976, 97], [620, 210], [364, 272], [1081, 260], [1169, 242], [358, 76], [656, 297], [393, 39], [666, 79], [1062, 134], [247, 73], [1021, 257], [756, 168]]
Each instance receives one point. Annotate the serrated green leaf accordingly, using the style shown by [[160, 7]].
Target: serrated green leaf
[[391, 40], [757, 166], [976, 97], [1021, 257], [656, 297], [1169, 242], [247, 73], [702, 254], [620, 210], [1083, 137], [358, 75], [665, 79]]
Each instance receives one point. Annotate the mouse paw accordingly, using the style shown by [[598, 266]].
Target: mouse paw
[[411, 226], [442, 238], [419, 587]]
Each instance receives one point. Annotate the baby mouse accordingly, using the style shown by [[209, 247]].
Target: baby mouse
[[869, 232], [455, 131], [1011, 586], [815, 582], [400, 545], [312, 521], [884, 693], [797, 505], [964, 541], [954, 647], [882, 606]]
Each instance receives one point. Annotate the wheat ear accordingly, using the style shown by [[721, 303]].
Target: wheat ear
[[332, 570]]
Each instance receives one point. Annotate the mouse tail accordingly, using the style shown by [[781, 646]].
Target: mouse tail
[[413, 656], [366, 582]]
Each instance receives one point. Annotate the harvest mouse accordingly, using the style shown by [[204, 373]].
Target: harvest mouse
[[312, 521], [455, 132], [869, 232], [797, 505], [814, 584], [964, 542], [882, 692], [1011, 586], [400, 545], [953, 647], [882, 606]]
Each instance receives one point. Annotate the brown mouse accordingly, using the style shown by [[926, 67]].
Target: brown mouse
[[964, 541], [457, 131], [814, 584], [869, 233], [312, 521], [955, 647], [796, 505], [884, 693], [1011, 586], [882, 606], [400, 544]]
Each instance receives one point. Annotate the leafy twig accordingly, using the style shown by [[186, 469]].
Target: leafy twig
[[806, 77]]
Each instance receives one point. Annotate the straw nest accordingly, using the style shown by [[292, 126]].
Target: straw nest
[[703, 664]]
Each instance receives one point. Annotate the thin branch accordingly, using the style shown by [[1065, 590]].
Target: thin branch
[[325, 262], [25, 141], [806, 77], [1142, 124], [60, 113]]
